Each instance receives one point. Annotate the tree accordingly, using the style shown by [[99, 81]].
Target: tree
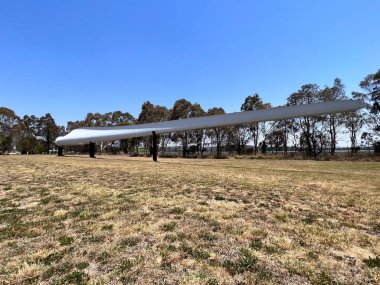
[[112, 119], [292, 133], [217, 135], [8, 123], [312, 138], [276, 138], [238, 136], [28, 135], [367, 140], [371, 85], [288, 129], [123, 119], [109, 119], [165, 138], [333, 121], [146, 114], [182, 109], [252, 103], [48, 130], [93, 120], [150, 114], [353, 122], [196, 136]]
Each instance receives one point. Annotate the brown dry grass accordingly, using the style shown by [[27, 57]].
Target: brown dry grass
[[119, 220]]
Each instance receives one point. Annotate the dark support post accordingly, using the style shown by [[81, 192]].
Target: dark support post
[[60, 151], [154, 148], [92, 150]]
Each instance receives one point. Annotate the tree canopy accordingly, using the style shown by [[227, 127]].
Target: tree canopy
[[310, 135]]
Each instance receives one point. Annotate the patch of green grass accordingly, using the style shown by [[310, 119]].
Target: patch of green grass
[[166, 263], [201, 275], [256, 244], [65, 240], [220, 198], [177, 210], [245, 262], [129, 242], [82, 265], [273, 249], [281, 216], [372, 262], [207, 236], [170, 237], [126, 265], [200, 254], [324, 279], [95, 238], [215, 225], [167, 249], [14, 231], [181, 236], [259, 233], [108, 227], [169, 227], [312, 255], [8, 187], [186, 249], [59, 269], [51, 258], [263, 273], [103, 257], [212, 281], [309, 219], [76, 277], [46, 200]]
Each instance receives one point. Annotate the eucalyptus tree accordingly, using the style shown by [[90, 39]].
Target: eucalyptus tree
[[333, 121], [150, 114], [94, 120], [120, 118], [182, 109], [277, 137], [238, 136], [197, 136], [8, 124], [371, 86], [164, 114], [312, 138], [353, 122], [218, 135], [48, 130], [252, 103], [28, 135]]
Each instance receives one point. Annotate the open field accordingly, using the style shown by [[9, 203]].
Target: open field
[[122, 220]]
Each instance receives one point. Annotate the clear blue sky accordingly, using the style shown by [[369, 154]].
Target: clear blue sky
[[74, 57]]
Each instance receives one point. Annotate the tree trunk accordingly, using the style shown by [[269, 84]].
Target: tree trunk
[[184, 151], [332, 136], [255, 137]]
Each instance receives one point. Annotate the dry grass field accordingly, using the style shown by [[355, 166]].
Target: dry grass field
[[122, 220]]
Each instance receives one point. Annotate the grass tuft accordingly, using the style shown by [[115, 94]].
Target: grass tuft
[[245, 262], [372, 262], [169, 227], [65, 240]]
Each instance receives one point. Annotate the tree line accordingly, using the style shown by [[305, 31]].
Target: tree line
[[309, 135]]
